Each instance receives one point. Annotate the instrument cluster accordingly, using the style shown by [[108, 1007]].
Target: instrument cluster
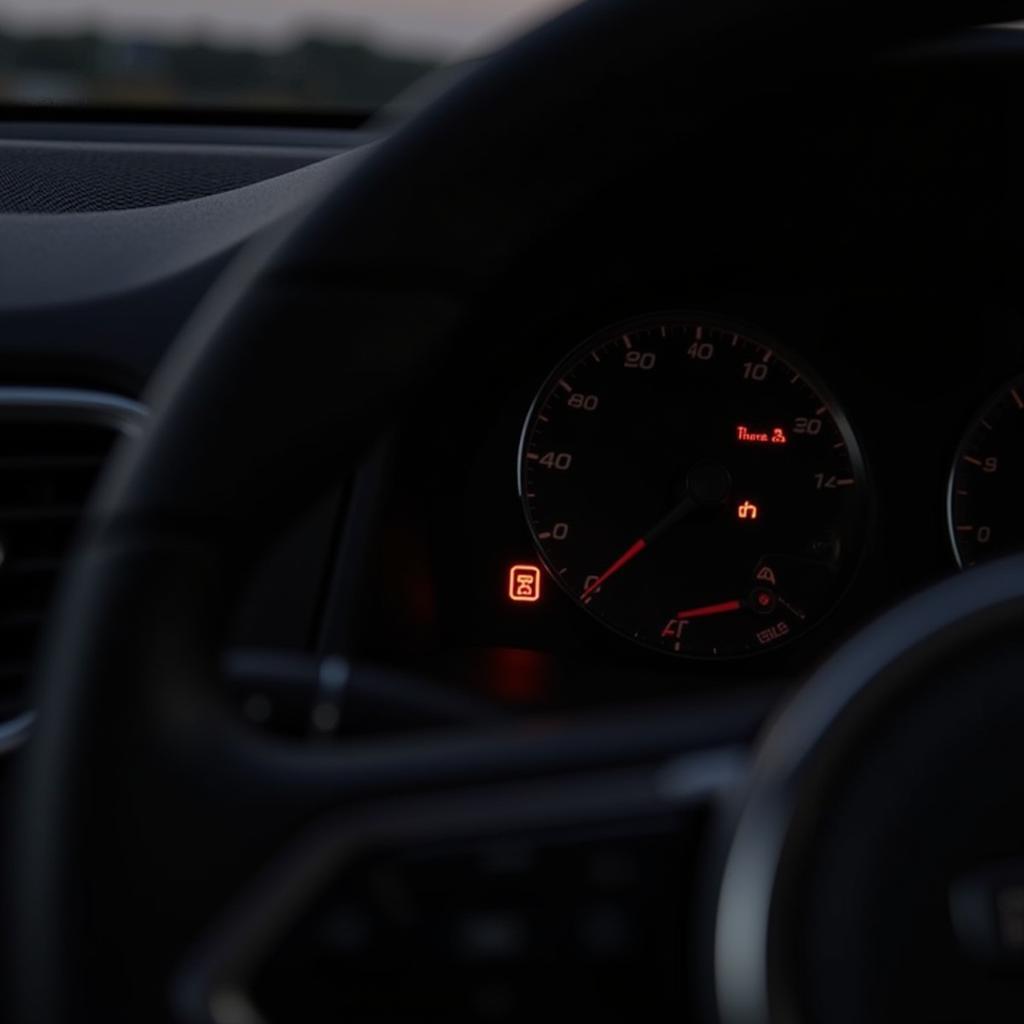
[[679, 496]]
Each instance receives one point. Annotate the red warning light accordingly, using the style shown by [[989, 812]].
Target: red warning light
[[748, 510], [776, 436], [524, 583]]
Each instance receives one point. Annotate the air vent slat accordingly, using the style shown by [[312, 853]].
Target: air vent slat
[[32, 566], [49, 463], [53, 445], [38, 513]]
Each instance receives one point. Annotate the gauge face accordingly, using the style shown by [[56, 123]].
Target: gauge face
[[691, 488], [987, 482]]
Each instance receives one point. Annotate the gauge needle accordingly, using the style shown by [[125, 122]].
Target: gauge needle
[[683, 509], [711, 609], [623, 559]]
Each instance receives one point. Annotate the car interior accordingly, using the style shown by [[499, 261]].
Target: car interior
[[532, 534]]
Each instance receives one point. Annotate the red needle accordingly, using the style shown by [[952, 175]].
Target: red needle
[[711, 609], [612, 569]]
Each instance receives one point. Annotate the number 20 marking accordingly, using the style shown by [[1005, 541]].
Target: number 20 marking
[[640, 360]]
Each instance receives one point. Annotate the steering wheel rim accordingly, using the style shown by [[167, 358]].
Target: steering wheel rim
[[967, 627], [129, 721]]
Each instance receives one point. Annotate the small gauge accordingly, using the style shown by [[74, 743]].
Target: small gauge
[[986, 485], [692, 487]]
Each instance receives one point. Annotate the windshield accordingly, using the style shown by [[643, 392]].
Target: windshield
[[294, 55]]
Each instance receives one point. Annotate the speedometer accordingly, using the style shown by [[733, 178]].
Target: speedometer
[[692, 487]]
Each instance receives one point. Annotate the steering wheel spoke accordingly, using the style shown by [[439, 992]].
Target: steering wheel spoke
[[554, 888]]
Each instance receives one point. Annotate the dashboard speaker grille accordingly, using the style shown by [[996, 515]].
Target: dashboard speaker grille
[[54, 179], [53, 445]]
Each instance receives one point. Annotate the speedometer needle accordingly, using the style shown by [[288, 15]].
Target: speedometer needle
[[710, 609], [680, 512], [623, 559]]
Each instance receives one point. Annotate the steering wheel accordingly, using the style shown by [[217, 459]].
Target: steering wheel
[[162, 844]]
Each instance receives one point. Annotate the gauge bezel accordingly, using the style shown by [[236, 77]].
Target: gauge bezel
[[994, 398], [759, 336]]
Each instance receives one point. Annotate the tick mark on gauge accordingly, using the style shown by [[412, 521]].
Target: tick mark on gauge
[[698, 333], [533, 456], [626, 341], [846, 481], [1017, 398], [839, 444], [986, 424], [821, 410], [546, 535], [972, 460], [566, 385], [796, 611], [794, 378], [965, 529], [597, 358]]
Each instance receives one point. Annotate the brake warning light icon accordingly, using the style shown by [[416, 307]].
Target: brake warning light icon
[[524, 583]]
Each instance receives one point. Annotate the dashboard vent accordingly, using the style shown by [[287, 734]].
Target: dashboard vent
[[53, 445]]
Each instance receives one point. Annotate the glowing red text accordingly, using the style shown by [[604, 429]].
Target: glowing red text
[[777, 436]]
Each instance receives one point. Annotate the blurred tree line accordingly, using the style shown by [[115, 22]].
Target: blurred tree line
[[319, 71]]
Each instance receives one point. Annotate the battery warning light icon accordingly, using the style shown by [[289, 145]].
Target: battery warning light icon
[[524, 583]]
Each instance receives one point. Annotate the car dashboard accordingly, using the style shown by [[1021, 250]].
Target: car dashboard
[[817, 342]]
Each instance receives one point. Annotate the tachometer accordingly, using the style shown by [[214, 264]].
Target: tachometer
[[987, 482], [692, 488]]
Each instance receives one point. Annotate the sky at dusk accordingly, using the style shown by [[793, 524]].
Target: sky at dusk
[[446, 27]]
